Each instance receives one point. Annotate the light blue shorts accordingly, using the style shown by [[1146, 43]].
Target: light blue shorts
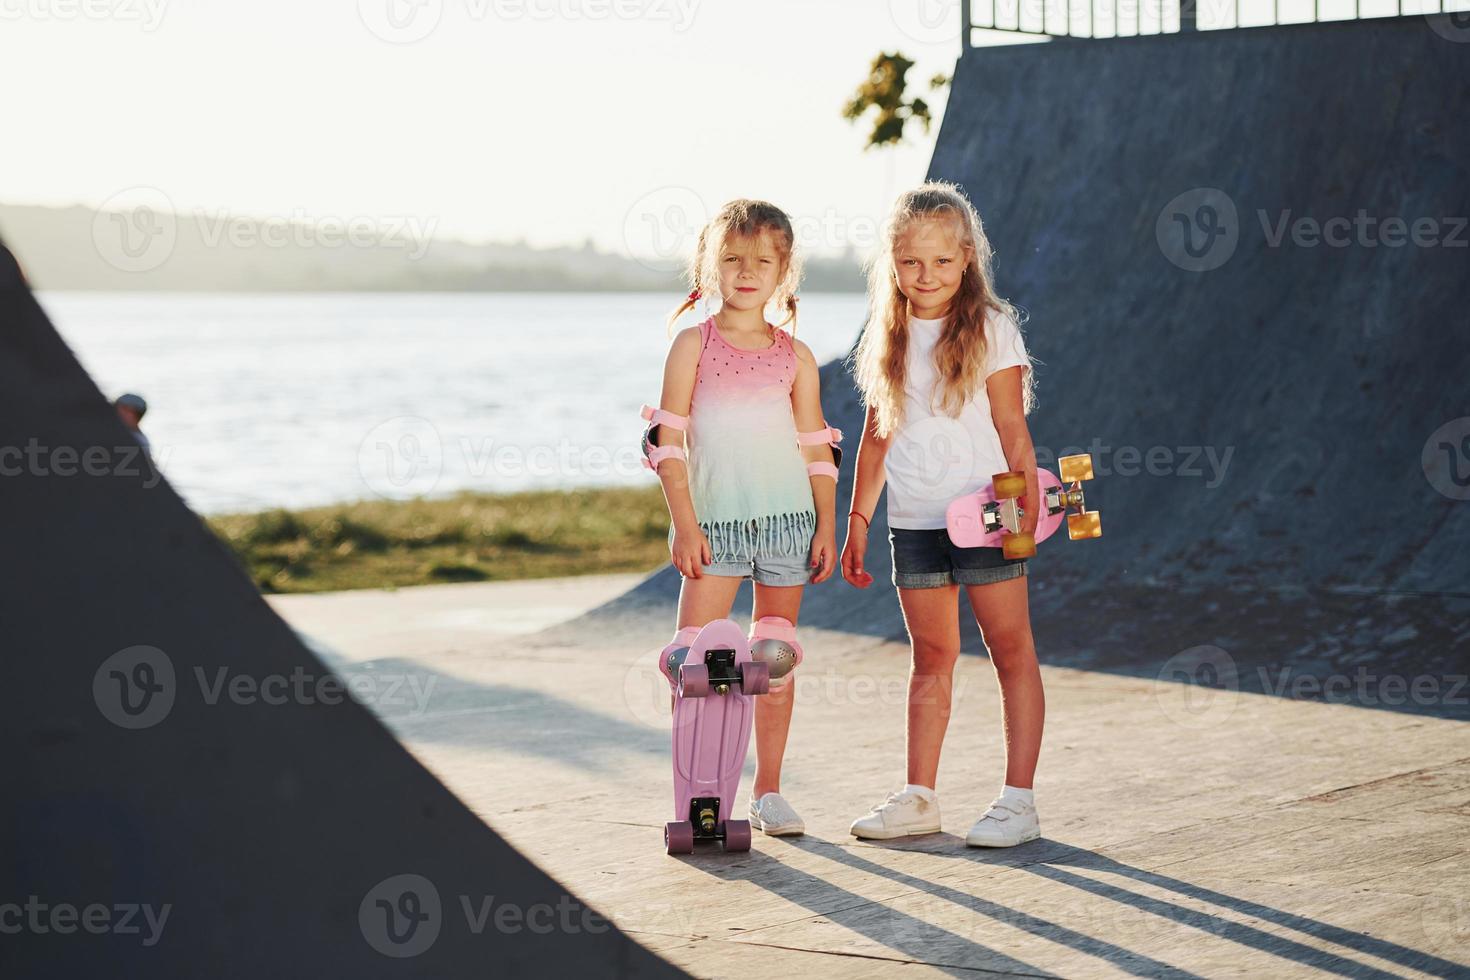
[[780, 557], [776, 570]]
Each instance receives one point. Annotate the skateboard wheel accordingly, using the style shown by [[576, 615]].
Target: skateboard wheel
[[1088, 525], [1009, 485], [737, 835], [679, 837], [1018, 545], [693, 680], [1075, 469], [755, 677]]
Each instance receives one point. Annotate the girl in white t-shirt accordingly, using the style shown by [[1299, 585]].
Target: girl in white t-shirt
[[947, 383]]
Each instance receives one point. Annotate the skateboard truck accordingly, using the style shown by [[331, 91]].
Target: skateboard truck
[[1076, 470], [721, 667], [704, 815], [992, 516], [1006, 514]]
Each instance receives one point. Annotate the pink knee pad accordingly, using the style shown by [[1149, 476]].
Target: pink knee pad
[[773, 641], [673, 654]]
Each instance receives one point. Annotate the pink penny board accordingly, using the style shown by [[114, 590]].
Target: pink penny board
[[966, 517], [711, 739]]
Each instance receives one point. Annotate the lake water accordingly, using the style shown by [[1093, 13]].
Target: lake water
[[260, 401]]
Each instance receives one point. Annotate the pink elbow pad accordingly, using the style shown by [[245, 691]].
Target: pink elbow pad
[[661, 453], [822, 469], [653, 453], [659, 417], [825, 436]]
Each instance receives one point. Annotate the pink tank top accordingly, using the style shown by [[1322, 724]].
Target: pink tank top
[[748, 478]]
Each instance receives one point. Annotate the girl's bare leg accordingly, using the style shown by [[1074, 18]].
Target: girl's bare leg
[[932, 618], [1004, 617], [773, 710]]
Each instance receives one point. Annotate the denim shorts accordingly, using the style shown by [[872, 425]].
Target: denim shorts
[[926, 559], [777, 554], [776, 570]]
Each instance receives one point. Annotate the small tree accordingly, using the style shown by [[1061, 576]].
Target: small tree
[[884, 91]]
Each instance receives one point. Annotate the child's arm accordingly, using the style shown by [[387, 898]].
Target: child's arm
[[806, 406], [867, 487], [690, 549], [1009, 415]]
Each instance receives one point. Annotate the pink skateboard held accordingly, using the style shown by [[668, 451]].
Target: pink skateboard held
[[715, 682], [991, 517]]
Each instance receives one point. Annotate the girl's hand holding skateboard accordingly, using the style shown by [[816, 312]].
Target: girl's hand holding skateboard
[[1031, 503]]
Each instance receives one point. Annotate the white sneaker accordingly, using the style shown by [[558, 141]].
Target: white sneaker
[[1007, 823], [775, 816], [903, 814]]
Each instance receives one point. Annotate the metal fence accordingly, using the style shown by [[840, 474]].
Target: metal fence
[[1127, 18]]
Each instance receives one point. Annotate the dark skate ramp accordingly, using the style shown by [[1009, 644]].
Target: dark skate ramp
[[1282, 430], [157, 824]]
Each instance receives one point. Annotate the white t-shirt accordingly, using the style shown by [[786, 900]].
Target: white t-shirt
[[932, 458]]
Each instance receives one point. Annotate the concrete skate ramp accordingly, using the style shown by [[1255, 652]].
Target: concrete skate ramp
[[178, 833], [1261, 428]]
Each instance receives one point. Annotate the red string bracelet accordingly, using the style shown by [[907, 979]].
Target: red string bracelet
[[866, 523]]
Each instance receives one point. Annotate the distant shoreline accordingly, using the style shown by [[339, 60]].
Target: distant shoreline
[[469, 537], [78, 249]]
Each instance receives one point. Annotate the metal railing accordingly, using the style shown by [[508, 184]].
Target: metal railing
[[1129, 18]]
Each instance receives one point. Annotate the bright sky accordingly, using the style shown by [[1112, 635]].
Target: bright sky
[[551, 120]]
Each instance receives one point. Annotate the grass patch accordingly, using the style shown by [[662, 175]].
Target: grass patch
[[466, 538]]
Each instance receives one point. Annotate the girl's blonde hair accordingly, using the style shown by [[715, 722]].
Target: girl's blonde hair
[[880, 361], [744, 219]]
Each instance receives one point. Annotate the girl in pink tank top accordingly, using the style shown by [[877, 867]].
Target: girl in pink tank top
[[748, 464]]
